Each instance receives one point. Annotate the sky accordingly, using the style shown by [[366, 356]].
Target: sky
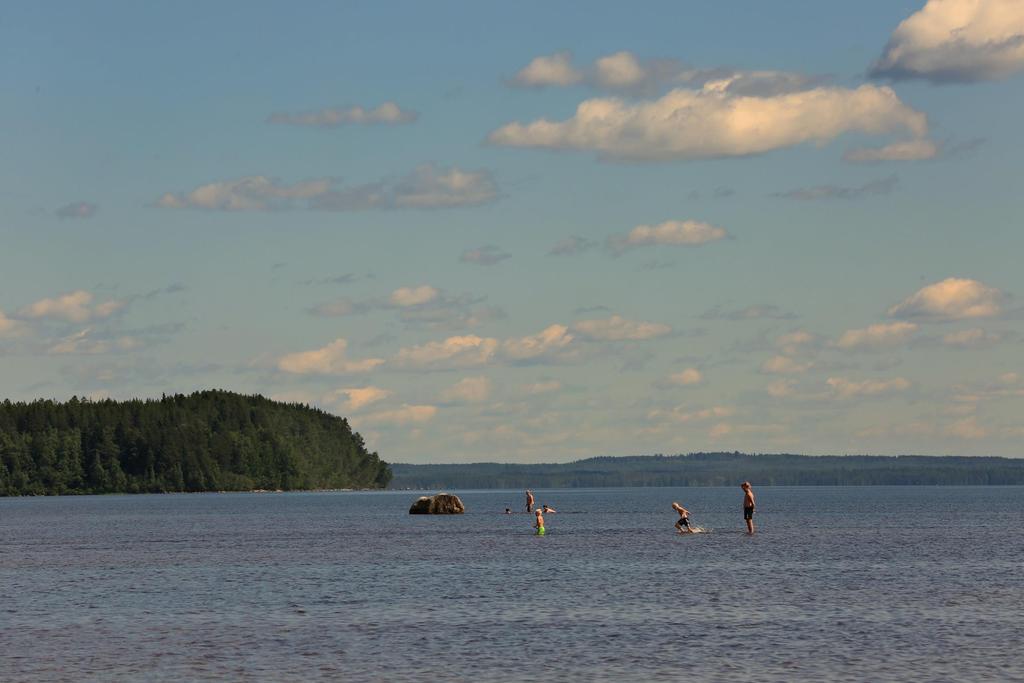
[[531, 231]]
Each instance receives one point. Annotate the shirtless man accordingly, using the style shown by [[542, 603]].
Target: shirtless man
[[748, 506], [548, 508], [684, 519], [539, 523], [529, 500]]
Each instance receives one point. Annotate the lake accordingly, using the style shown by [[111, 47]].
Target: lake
[[839, 584]]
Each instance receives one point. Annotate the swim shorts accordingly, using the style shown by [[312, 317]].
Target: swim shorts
[[684, 521], [540, 531], [748, 513]]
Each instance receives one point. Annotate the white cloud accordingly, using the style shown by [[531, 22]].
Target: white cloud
[[77, 210], [329, 360], [620, 70], [793, 343], [9, 327], [906, 150], [571, 246], [427, 187], [950, 299], [972, 338], [847, 388], [549, 343], [387, 113], [684, 415], [956, 41], [413, 296], [453, 352], [543, 387], [82, 343], [716, 122], [966, 428], [672, 233], [687, 377], [405, 415], [333, 309], [617, 328], [73, 307], [359, 397], [781, 388], [488, 255], [556, 69], [877, 336], [468, 390], [783, 365]]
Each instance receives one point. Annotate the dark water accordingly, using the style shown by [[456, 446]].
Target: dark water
[[839, 584]]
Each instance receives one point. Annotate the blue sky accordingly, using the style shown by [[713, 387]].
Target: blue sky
[[525, 231]]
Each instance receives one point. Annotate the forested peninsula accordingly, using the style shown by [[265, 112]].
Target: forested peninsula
[[717, 469], [206, 441]]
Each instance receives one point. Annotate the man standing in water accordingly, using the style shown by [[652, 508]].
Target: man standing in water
[[540, 522], [529, 500], [748, 506]]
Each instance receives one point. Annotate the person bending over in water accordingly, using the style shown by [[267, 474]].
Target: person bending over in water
[[529, 500], [548, 508], [539, 523], [748, 506], [684, 519]]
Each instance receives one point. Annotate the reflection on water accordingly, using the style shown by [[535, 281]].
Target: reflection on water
[[886, 583]]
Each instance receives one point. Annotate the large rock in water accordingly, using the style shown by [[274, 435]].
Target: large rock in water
[[440, 504]]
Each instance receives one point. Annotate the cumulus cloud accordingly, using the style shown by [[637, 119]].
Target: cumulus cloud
[[847, 388], [951, 299], [784, 365], [755, 312], [966, 428], [10, 328], [412, 296], [400, 417], [669, 233], [572, 245], [716, 122], [877, 336], [687, 377], [873, 188], [428, 187], [386, 113], [453, 352], [906, 150], [548, 70], [83, 342], [624, 71], [549, 343], [75, 307], [971, 339], [487, 255], [336, 308], [542, 387], [781, 388], [360, 397], [617, 328], [328, 360], [956, 41], [77, 210], [795, 342], [468, 390], [683, 414]]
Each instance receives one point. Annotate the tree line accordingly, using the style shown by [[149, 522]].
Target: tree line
[[206, 441], [718, 469]]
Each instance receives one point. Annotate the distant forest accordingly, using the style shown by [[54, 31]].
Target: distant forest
[[206, 441], [717, 469]]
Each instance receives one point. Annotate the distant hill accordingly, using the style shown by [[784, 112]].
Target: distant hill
[[206, 441], [716, 469]]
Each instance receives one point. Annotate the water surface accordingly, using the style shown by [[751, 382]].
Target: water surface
[[839, 584]]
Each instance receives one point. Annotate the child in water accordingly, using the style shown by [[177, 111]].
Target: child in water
[[540, 522], [684, 519]]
